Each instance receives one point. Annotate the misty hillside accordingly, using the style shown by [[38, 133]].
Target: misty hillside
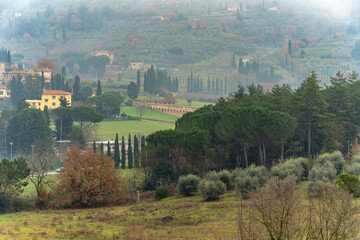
[[202, 36]]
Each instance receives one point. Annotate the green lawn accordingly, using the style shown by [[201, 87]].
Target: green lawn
[[191, 218], [149, 115], [108, 129]]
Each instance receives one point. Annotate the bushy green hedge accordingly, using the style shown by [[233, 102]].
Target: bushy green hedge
[[161, 192], [211, 190], [297, 167], [188, 185], [349, 182], [335, 158], [356, 159], [323, 172], [248, 179], [254, 171], [353, 169], [225, 177], [245, 184]]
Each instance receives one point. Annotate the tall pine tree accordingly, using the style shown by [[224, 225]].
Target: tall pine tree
[[77, 89], [138, 81], [98, 89], [123, 153], [130, 153], [102, 147], [136, 152], [143, 152], [116, 152], [108, 149]]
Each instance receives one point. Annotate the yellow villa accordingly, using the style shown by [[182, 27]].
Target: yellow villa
[[51, 99]]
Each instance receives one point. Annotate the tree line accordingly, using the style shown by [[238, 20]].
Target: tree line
[[5, 55], [215, 86], [262, 127], [159, 80]]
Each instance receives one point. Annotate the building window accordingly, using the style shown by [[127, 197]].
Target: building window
[[46, 100], [53, 97], [53, 104], [39, 104], [1, 92], [61, 97]]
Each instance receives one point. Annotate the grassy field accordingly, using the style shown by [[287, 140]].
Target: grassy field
[[149, 115], [191, 219], [108, 129]]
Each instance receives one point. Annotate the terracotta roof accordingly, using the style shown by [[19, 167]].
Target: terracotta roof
[[55, 92], [17, 71], [41, 70]]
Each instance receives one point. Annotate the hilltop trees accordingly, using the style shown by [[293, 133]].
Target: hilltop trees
[[132, 91], [85, 116], [27, 127], [77, 94], [262, 127], [310, 109], [156, 81], [17, 90]]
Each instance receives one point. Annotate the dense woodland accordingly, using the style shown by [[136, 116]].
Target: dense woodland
[[253, 126]]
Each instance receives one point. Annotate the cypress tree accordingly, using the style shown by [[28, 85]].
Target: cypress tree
[[77, 89], [63, 71], [221, 87], [47, 114], [188, 85], [123, 154], [225, 87], [233, 63], [102, 147], [42, 79], [64, 34], [213, 86], [116, 152], [138, 81], [109, 149], [241, 66], [9, 57], [290, 47], [98, 89], [52, 81], [130, 153], [94, 147], [136, 152], [208, 85], [143, 152]]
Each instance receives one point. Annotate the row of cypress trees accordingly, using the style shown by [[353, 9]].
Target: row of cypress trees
[[134, 157]]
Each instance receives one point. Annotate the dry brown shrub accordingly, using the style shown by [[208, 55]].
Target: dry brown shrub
[[89, 179], [135, 232]]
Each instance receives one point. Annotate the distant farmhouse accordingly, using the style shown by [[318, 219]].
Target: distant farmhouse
[[158, 18], [38, 71], [51, 99], [138, 66], [4, 92], [103, 53], [8, 75]]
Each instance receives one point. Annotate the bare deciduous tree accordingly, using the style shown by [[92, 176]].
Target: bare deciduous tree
[[334, 215], [140, 111], [279, 213]]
